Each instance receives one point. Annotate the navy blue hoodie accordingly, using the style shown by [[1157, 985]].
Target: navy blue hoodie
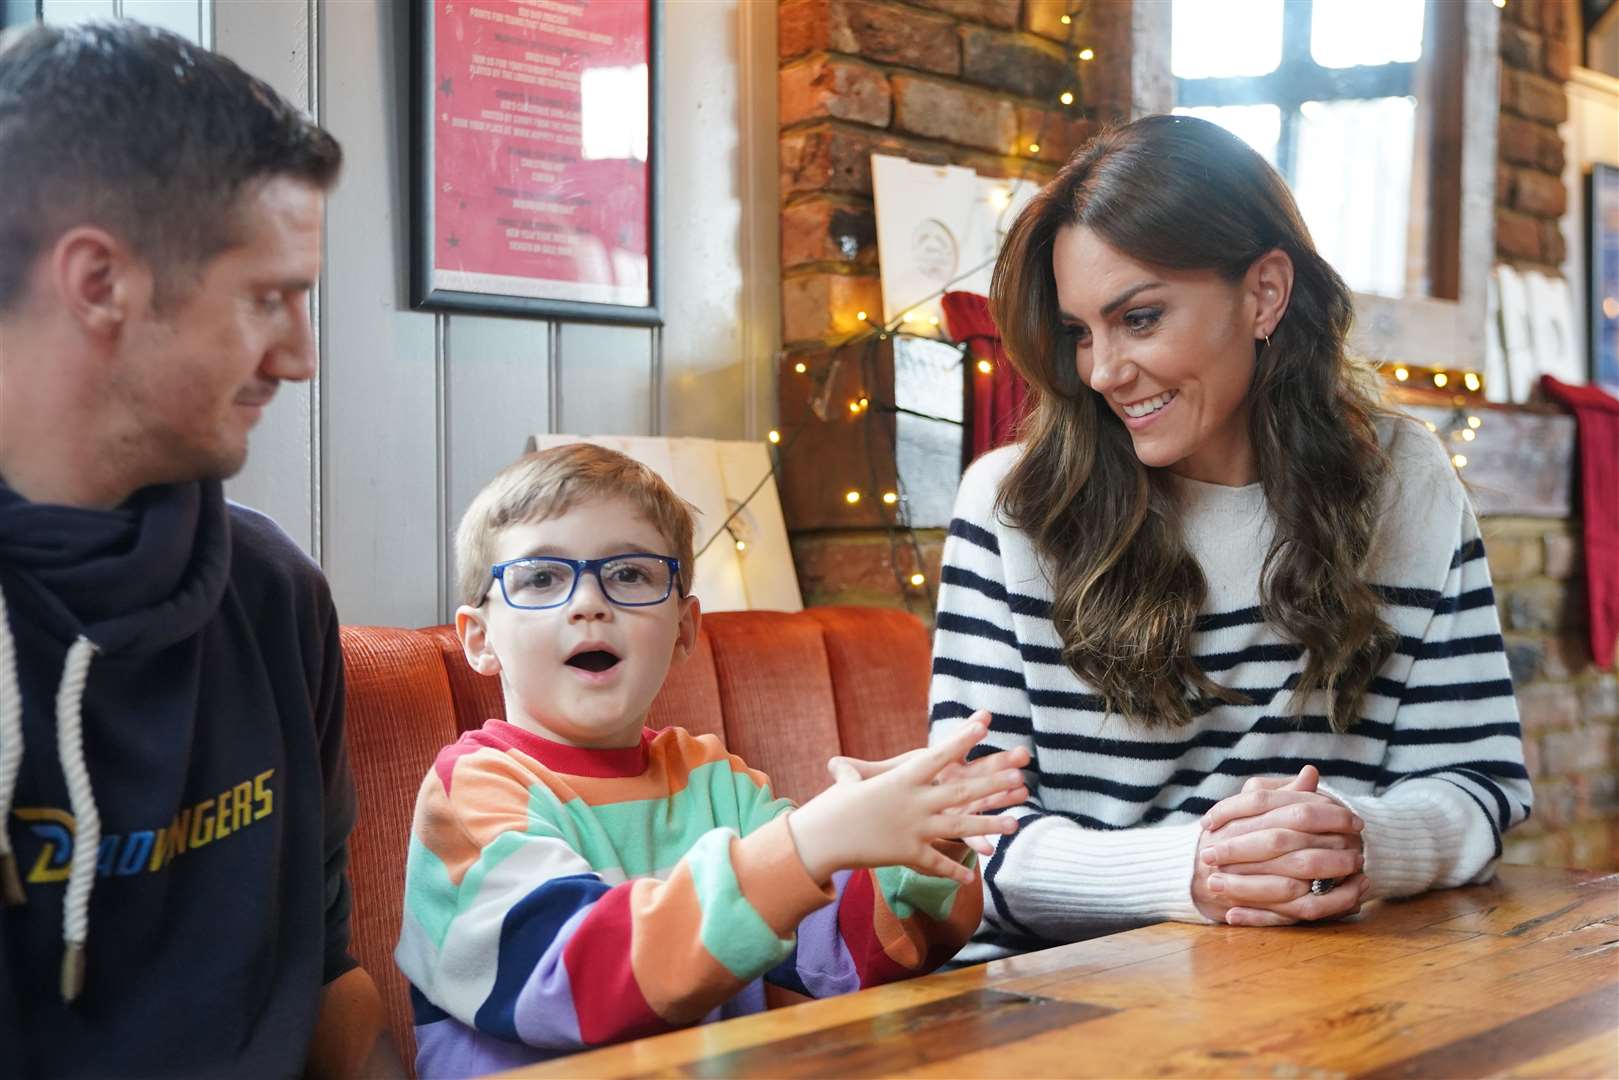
[[212, 737]]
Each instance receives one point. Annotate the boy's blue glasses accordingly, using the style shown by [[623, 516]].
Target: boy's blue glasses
[[634, 579]]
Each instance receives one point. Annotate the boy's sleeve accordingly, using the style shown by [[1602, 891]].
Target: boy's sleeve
[[508, 928], [888, 924]]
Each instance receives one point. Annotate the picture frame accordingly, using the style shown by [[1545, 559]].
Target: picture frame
[[535, 160], [1602, 269]]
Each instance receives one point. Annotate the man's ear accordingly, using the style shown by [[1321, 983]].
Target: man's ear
[[473, 631], [100, 282], [691, 620]]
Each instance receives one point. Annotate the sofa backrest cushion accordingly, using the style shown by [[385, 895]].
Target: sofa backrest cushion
[[399, 715]]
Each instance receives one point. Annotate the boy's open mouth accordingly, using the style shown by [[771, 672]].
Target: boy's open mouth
[[595, 660]]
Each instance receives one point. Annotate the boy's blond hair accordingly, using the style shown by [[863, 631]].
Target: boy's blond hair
[[548, 484]]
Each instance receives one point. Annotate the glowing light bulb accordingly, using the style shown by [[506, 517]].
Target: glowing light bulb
[[1034, 148], [742, 545], [1401, 374], [917, 580], [864, 402], [889, 498], [985, 366], [1087, 54], [1474, 422], [1067, 19], [1067, 97], [1459, 460], [861, 315], [1499, 3], [854, 406], [1440, 378], [851, 497], [774, 436], [1471, 380], [1468, 434], [800, 367]]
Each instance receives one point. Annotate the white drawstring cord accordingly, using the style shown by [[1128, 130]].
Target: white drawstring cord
[[86, 818], [10, 757]]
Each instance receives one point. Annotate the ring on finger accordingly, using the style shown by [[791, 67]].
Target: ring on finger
[[1321, 886]]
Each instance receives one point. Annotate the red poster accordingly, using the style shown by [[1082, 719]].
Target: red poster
[[540, 176]]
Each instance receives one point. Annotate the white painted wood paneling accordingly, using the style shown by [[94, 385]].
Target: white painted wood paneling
[[498, 394], [606, 380], [380, 465]]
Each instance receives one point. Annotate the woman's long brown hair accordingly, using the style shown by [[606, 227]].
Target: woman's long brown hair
[[1182, 193]]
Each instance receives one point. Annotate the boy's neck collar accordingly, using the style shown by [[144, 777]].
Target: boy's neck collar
[[602, 763]]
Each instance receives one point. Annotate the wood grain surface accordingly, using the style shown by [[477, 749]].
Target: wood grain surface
[[1517, 978]]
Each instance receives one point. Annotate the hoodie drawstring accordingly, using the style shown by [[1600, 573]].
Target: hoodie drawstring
[[86, 818], [10, 757]]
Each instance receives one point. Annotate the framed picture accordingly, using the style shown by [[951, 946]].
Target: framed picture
[[1602, 249], [534, 158]]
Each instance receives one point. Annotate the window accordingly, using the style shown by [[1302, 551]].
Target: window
[[1329, 91]]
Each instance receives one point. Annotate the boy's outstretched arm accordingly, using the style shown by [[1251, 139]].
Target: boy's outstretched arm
[[906, 918]]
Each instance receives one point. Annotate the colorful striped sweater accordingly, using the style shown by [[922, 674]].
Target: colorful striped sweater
[[558, 898], [1434, 765]]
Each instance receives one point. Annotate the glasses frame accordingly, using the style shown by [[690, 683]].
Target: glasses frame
[[581, 567]]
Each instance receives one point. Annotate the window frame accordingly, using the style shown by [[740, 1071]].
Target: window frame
[[1415, 330]]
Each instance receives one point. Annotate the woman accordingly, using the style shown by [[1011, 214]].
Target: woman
[[1240, 617]]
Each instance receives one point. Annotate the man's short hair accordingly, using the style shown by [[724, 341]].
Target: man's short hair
[[550, 483], [136, 131]]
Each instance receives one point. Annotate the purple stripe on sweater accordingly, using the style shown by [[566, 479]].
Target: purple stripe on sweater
[[448, 1048], [824, 962], [544, 1014]]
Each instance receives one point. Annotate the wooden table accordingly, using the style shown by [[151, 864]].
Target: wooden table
[[1516, 978]]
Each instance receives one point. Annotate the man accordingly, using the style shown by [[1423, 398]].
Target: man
[[175, 798]]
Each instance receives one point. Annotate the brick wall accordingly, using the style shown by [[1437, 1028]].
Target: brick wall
[[1570, 708], [1536, 55], [958, 82]]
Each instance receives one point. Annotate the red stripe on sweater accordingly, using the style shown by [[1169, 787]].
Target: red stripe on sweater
[[856, 919], [606, 997]]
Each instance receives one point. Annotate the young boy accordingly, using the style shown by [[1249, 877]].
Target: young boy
[[576, 879]]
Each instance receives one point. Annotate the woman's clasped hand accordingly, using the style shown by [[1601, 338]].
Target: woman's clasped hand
[[1262, 848]]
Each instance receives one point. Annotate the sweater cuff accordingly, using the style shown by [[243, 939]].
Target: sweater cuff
[[1061, 879], [773, 879], [1407, 837]]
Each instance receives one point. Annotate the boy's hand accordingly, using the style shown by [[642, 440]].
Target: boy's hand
[[847, 770], [889, 813]]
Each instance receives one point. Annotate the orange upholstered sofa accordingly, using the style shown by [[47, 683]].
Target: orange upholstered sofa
[[785, 691]]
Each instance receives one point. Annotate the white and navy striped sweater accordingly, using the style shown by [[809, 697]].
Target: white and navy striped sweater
[[1434, 766]]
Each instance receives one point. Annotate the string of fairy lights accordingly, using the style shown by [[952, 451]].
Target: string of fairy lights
[[892, 500], [911, 322], [1464, 388]]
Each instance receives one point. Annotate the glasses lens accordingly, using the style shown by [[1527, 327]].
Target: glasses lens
[[538, 582], [635, 579]]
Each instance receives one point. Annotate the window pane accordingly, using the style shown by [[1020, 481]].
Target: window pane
[[1344, 33], [1354, 187], [1217, 38], [1257, 125]]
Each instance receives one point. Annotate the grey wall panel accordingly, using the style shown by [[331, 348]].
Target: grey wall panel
[[380, 454], [606, 380], [702, 383], [63, 12], [272, 41], [497, 394], [184, 17]]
